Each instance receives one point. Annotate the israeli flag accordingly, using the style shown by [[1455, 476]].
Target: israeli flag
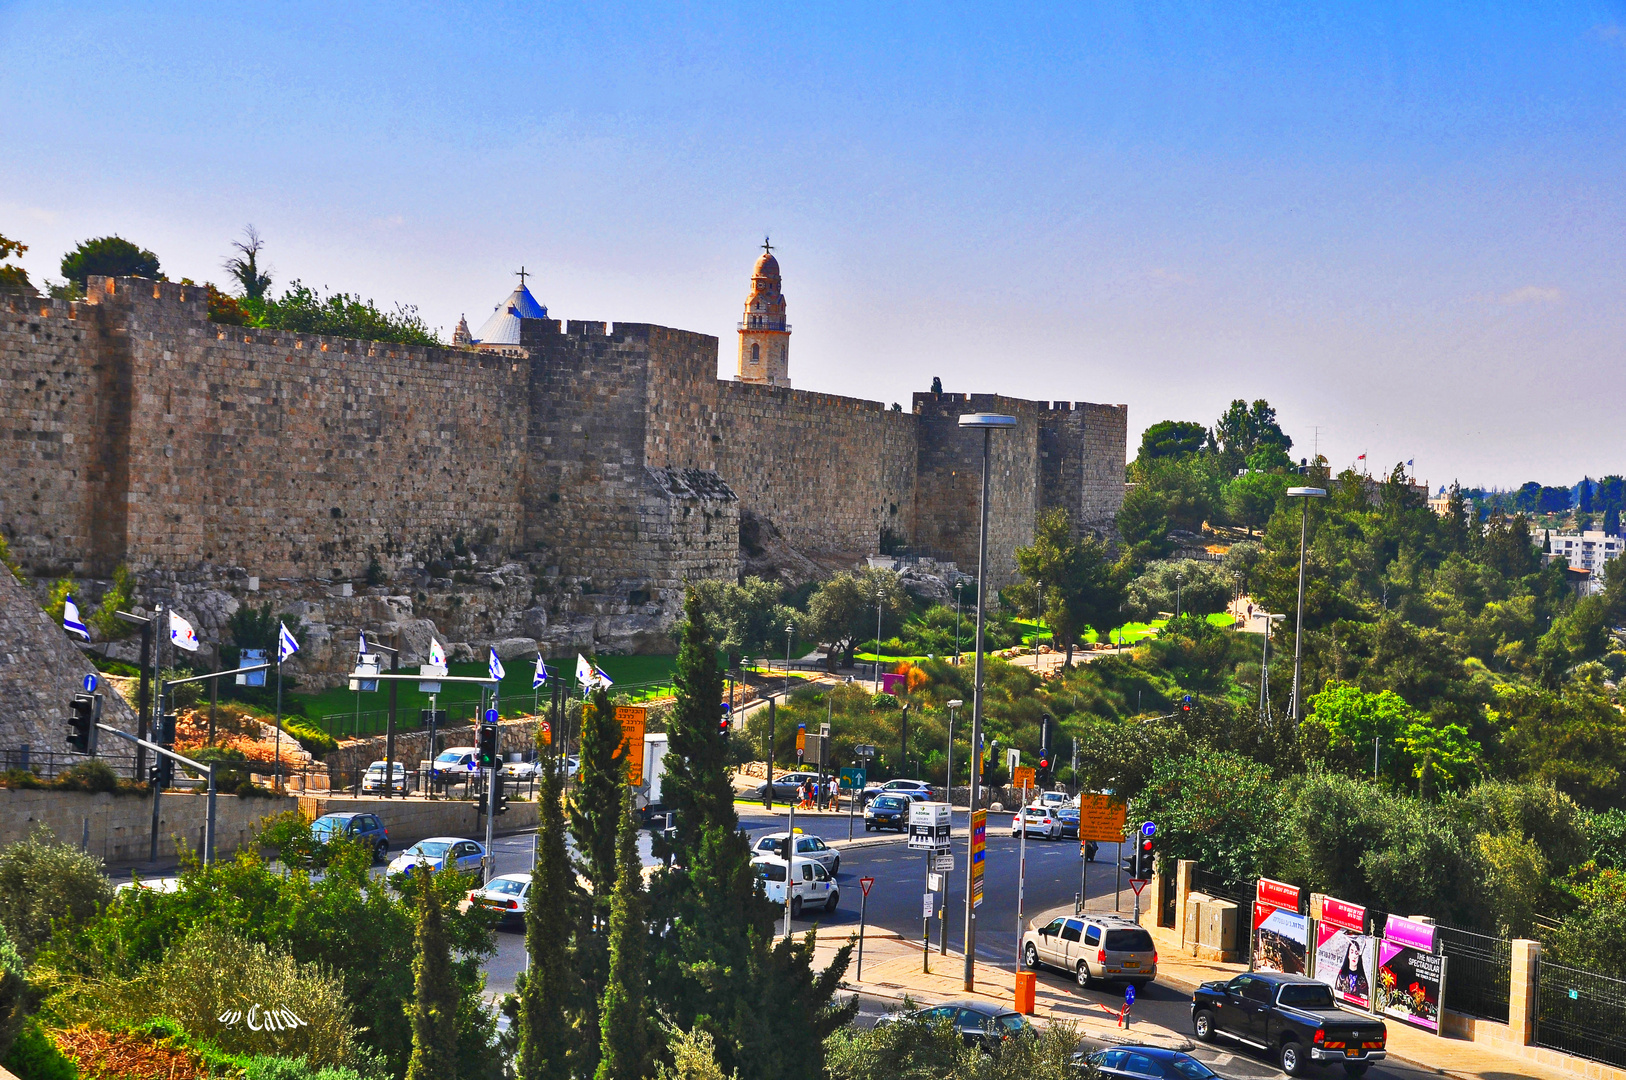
[[286, 645], [70, 619], [181, 634], [437, 656], [541, 675], [494, 665], [602, 679], [584, 671], [361, 649]]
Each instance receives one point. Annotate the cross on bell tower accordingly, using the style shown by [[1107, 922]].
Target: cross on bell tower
[[764, 333], [520, 273]]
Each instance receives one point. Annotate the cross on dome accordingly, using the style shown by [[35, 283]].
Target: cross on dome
[[521, 275], [765, 245]]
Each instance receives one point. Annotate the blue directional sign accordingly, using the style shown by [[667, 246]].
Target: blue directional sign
[[491, 716], [90, 684], [1129, 993], [1148, 828]]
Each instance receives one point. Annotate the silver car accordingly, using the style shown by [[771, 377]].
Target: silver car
[[1095, 949], [812, 848]]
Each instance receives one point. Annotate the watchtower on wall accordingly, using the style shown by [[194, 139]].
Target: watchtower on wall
[[764, 333]]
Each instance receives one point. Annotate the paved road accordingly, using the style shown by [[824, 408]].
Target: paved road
[[895, 899]]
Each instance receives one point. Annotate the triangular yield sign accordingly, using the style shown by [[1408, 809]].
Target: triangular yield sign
[[864, 883], [1137, 885]]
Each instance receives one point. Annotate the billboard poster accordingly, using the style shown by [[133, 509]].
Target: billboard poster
[[1279, 939], [1411, 973], [1345, 960]]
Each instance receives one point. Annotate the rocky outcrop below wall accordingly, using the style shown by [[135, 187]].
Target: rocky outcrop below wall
[[40, 671]]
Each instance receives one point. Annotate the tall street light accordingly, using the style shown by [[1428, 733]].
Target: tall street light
[[986, 422], [1305, 493]]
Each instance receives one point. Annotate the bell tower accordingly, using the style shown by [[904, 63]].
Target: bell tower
[[764, 333]]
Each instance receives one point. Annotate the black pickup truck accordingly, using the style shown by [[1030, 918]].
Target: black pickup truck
[[1290, 1016]]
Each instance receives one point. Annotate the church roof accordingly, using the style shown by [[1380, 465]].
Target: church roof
[[502, 328]]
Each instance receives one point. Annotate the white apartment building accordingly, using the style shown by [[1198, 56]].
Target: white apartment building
[[1586, 550]]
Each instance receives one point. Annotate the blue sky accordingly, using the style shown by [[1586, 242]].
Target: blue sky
[[1402, 225]]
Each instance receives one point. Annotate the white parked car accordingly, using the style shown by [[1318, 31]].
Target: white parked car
[[437, 853], [1055, 800], [814, 887], [373, 780], [1038, 820], [809, 847], [520, 770], [505, 895]]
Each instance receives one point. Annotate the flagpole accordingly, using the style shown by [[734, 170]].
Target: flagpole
[[279, 714]]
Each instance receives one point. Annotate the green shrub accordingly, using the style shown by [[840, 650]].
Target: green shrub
[[93, 775], [212, 974], [41, 882], [314, 741], [35, 1057], [20, 778], [14, 993], [105, 621]]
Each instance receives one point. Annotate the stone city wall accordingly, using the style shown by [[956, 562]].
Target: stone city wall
[[118, 828], [949, 495]]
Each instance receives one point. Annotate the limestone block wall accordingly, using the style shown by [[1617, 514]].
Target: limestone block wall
[[1106, 440], [61, 413], [120, 825], [949, 492], [299, 455], [833, 473]]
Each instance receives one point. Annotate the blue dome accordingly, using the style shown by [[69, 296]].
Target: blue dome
[[502, 328]]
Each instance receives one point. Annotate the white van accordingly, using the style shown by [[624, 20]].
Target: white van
[[455, 765], [814, 885]]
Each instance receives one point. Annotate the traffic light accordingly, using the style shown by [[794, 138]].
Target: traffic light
[[1145, 858], [1185, 703], [502, 794], [162, 773], [725, 721], [1046, 761], [488, 745], [82, 713]]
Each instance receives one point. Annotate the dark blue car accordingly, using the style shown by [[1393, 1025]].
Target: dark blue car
[[365, 828]]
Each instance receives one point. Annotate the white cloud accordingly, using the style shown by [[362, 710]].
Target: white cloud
[[1613, 33], [1532, 294]]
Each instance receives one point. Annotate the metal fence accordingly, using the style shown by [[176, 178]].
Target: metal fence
[[1240, 893], [48, 764], [1481, 973], [1582, 1013]]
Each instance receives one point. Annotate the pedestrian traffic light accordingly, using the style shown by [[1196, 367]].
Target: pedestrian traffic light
[[502, 794], [1145, 858], [82, 711], [488, 745], [162, 772]]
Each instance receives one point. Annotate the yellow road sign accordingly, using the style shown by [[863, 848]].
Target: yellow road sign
[[632, 719], [1101, 818], [1022, 776]]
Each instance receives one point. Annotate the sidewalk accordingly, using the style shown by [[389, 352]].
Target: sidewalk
[[892, 971], [1445, 1055]]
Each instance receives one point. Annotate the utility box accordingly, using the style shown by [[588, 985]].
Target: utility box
[[1216, 930]]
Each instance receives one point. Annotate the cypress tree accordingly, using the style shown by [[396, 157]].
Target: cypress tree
[[434, 1002], [695, 781], [595, 821], [624, 1045], [552, 981]]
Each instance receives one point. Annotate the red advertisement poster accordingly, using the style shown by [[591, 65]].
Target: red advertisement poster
[[1279, 938]]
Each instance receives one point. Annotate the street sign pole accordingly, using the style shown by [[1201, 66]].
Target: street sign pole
[[926, 920], [864, 884], [1021, 873], [1118, 884]]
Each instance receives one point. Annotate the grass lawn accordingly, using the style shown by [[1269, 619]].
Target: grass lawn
[[640, 676]]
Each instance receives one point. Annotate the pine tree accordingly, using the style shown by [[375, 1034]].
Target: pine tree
[[695, 782], [434, 1002], [624, 1044], [595, 821], [552, 981]]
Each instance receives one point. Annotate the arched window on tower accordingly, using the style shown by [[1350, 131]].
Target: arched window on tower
[[756, 353]]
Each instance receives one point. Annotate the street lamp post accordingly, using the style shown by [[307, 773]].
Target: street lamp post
[[1177, 594], [986, 422], [1264, 668], [880, 598], [1305, 493], [948, 775], [790, 632], [958, 585]]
